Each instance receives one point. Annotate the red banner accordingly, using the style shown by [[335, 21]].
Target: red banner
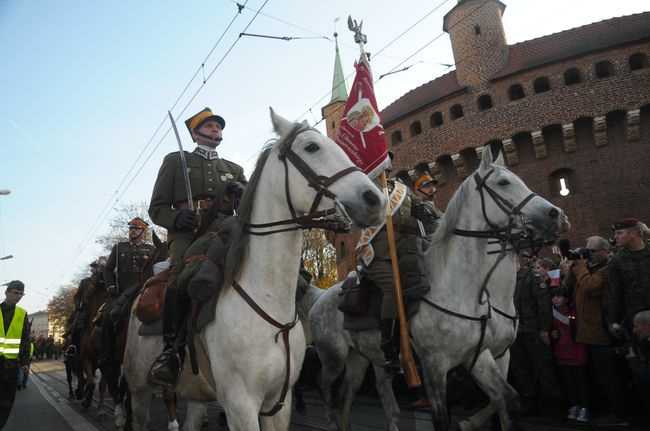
[[361, 134]]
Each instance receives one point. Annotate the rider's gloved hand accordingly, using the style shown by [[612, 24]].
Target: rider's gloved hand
[[185, 220], [235, 189]]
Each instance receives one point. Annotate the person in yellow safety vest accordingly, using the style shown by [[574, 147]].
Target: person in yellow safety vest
[[14, 346]]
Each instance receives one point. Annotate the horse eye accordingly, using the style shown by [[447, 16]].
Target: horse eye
[[312, 148], [503, 182]]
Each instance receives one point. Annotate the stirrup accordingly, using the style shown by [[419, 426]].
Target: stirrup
[[166, 369], [71, 350]]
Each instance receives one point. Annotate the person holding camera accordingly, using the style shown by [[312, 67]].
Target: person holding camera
[[585, 274]]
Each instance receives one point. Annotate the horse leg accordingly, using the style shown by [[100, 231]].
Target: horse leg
[[332, 367], [503, 398], [90, 383], [281, 420], [355, 369], [169, 397], [241, 408], [194, 418], [140, 401], [101, 411], [435, 381], [384, 384], [68, 376]]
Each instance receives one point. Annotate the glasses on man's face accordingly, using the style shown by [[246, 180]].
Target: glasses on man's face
[[134, 228]]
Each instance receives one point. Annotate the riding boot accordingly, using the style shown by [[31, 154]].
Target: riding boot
[[167, 367], [107, 342], [390, 344]]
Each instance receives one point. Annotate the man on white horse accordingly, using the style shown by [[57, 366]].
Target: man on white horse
[[169, 208]]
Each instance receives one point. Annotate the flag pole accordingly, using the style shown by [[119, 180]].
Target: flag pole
[[407, 362]]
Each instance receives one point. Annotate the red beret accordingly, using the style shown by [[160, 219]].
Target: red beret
[[626, 223]]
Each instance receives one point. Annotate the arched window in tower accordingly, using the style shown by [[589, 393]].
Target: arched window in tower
[[516, 92], [396, 137], [477, 29], [456, 111], [572, 76], [484, 102], [562, 182], [604, 69], [333, 125], [638, 61], [541, 84], [415, 128], [436, 119], [342, 250]]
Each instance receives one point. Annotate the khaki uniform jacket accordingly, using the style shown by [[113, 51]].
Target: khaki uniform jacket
[[628, 285], [206, 177], [588, 286], [129, 263]]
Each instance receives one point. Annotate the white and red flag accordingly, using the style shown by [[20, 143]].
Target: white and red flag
[[361, 134]]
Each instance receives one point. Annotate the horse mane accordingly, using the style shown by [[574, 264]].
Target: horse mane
[[238, 244], [452, 213]]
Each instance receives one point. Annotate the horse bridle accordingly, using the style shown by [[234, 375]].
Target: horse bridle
[[320, 183], [314, 219]]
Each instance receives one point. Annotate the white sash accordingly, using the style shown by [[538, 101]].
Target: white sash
[[396, 198]]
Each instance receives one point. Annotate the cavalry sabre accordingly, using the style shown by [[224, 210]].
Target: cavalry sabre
[[186, 175]]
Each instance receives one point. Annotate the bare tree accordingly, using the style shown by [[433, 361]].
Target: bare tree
[[117, 225]]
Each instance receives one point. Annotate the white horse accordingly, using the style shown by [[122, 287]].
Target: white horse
[[298, 180], [467, 318]]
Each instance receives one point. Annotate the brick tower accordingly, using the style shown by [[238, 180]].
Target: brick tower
[[478, 40]]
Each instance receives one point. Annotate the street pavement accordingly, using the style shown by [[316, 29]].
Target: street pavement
[[44, 405]]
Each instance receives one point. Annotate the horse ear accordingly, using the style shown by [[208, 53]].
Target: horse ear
[[486, 160], [281, 126], [500, 161]]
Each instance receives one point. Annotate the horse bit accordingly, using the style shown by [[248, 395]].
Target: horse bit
[[504, 236], [314, 219]]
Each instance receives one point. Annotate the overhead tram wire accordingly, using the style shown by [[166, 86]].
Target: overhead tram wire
[[90, 235]]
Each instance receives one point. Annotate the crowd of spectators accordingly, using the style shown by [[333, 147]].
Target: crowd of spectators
[[583, 345]]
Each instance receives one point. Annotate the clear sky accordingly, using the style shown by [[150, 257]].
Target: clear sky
[[84, 87]]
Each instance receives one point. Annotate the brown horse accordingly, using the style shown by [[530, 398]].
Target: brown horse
[[94, 297], [117, 385]]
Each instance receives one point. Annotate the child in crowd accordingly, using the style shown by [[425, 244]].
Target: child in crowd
[[571, 356]]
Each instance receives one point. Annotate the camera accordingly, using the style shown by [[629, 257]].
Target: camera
[[579, 253]]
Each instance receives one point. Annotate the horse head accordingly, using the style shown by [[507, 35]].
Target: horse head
[[508, 205], [314, 174]]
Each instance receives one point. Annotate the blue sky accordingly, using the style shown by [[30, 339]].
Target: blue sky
[[85, 85]]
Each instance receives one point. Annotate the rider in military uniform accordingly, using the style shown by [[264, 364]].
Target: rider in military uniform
[[81, 314], [122, 278], [14, 346], [169, 209]]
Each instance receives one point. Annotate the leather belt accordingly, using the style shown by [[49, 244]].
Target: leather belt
[[201, 204]]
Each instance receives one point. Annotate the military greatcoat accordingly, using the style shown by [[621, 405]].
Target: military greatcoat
[[127, 259]]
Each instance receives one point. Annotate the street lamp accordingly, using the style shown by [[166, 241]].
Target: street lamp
[[9, 256], [5, 192]]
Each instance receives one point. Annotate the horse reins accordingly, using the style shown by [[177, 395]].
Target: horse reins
[[314, 219], [320, 183], [504, 236]]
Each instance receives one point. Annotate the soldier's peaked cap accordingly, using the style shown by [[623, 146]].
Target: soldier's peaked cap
[[197, 120], [423, 175], [16, 285], [139, 223]]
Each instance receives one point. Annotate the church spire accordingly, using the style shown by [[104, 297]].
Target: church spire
[[339, 88]]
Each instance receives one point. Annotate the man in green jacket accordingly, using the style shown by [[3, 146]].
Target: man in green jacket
[[207, 172], [14, 347]]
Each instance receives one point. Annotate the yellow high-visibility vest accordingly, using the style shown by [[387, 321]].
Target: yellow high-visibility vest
[[10, 340]]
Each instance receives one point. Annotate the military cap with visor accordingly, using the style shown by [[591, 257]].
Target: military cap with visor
[[423, 176], [197, 120], [139, 223]]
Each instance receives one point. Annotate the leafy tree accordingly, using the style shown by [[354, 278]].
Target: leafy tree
[[61, 306], [319, 258]]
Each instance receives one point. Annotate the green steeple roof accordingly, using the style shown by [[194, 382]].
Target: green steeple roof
[[339, 88]]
